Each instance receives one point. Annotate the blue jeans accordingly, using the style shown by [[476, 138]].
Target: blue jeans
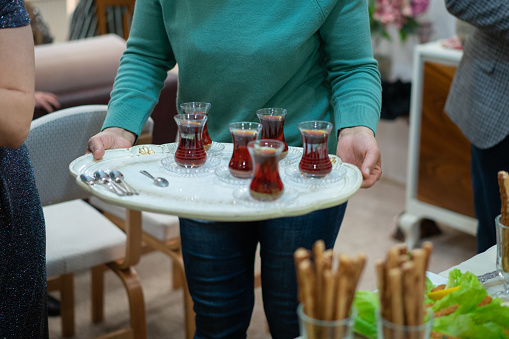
[[219, 263], [485, 165]]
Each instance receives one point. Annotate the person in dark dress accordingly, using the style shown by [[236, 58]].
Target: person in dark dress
[[23, 310]]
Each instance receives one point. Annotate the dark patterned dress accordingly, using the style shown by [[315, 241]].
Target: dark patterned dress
[[23, 310]]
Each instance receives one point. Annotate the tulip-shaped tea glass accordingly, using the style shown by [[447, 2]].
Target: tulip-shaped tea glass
[[266, 184], [190, 152], [197, 107], [502, 257], [273, 122], [241, 165], [315, 162], [326, 329]]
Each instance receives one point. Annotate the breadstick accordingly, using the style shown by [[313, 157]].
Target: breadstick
[[381, 279], [419, 258], [409, 297], [307, 279], [318, 249], [357, 267], [503, 182], [299, 256], [393, 255], [328, 259], [328, 295], [427, 246], [394, 279]]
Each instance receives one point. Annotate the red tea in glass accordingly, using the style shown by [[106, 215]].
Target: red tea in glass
[[190, 152], [273, 122], [315, 162], [266, 184], [197, 107], [241, 165]]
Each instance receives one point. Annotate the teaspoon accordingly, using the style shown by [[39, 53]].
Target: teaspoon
[[104, 179], [87, 179], [161, 182], [118, 177]]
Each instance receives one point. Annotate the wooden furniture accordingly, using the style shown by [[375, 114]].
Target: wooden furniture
[[126, 19], [438, 184], [78, 236]]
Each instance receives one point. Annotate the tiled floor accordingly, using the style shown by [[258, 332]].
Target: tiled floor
[[367, 227]]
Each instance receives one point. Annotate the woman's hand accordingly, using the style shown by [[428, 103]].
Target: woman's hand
[[46, 101], [113, 137], [358, 146]]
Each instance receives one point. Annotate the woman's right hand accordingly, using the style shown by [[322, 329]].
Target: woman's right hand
[[113, 137]]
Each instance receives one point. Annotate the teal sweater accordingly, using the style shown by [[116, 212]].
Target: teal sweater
[[312, 57]]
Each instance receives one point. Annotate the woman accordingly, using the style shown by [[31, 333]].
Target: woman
[[313, 58], [22, 234]]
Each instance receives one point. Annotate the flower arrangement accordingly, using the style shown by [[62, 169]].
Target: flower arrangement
[[401, 14]]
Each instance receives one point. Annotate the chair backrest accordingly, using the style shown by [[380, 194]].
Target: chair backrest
[[54, 141], [127, 10]]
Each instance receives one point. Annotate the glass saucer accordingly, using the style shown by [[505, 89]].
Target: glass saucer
[[207, 168], [294, 155], [241, 194], [223, 174], [336, 176], [215, 149]]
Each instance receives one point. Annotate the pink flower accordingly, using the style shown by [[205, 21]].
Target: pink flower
[[397, 12], [419, 7]]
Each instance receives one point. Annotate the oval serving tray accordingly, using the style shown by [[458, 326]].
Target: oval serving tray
[[200, 197]]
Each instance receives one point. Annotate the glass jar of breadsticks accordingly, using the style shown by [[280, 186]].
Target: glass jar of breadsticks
[[326, 294]]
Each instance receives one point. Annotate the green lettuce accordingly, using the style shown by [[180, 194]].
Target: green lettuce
[[366, 303], [468, 296], [470, 321]]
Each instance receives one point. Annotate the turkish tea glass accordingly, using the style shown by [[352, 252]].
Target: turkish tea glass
[[325, 329], [190, 152], [273, 122], [315, 162], [266, 184], [197, 107], [502, 257], [241, 165]]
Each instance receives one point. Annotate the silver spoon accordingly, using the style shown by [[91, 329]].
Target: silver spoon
[[104, 179], [118, 177], [87, 179], [161, 182]]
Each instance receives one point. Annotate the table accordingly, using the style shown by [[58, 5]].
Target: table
[[199, 194], [436, 185]]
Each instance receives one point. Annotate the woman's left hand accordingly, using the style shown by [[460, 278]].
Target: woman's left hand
[[358, 146]]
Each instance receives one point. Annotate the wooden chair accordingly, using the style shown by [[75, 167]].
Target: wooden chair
[[78, 237], [127, 16]]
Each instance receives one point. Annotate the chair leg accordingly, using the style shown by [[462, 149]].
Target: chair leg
[[134, 290], [176, 277], [67, 304], [97, 293]]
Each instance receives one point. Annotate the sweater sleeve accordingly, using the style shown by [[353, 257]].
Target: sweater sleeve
[[143, 69], [487, 15], [352, 70]]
